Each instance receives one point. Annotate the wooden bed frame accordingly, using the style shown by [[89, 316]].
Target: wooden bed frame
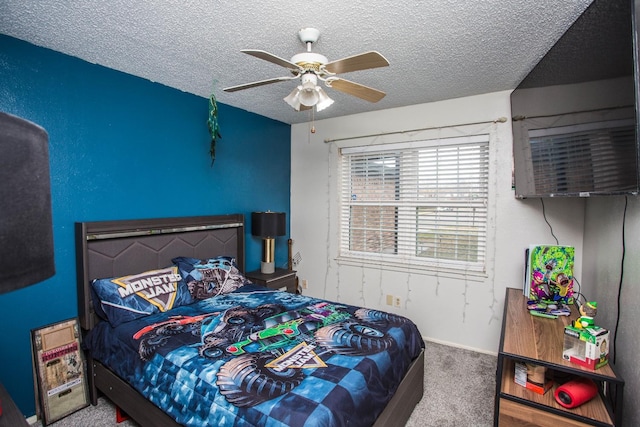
[[116, 248]]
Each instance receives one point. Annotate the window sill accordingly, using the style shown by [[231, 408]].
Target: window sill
[[427, 270]]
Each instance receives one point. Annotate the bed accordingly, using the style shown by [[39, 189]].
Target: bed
[[242, 356]]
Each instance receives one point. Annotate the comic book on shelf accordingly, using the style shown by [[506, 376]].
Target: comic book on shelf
[[549, 274]]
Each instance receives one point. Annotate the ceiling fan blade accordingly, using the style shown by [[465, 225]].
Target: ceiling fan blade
[[258, 83], [272, 58], [356, 89], [363, 61]]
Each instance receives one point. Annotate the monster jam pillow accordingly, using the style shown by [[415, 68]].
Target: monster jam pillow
[[206, 278], [126, 298]]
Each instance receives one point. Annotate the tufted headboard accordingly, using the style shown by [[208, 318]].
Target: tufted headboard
[[117, 248]]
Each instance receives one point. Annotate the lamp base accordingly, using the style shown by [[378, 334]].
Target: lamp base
[[267, 267]]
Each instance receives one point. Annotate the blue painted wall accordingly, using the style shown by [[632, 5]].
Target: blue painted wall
[[122, 147]]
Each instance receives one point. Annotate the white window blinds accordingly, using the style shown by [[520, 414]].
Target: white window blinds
[[422, 204]]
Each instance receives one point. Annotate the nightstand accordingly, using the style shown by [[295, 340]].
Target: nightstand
[[11, 415], [281, 279]]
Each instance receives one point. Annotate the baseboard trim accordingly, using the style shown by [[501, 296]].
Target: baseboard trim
[[464, 347]]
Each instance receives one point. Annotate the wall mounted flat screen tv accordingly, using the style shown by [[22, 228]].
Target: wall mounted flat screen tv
[[575, 115]]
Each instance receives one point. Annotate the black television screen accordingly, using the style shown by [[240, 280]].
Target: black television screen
[[574, 117]]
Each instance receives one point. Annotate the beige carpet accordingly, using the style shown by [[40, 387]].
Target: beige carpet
[[459, 388]]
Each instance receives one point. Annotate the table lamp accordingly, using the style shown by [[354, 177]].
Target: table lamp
[[268, 225], [26, 232]]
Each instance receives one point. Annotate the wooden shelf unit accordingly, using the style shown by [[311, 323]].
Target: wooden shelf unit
[[538, 340]]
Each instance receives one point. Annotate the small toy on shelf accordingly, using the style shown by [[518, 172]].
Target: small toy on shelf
[[588, 311], [584, 342]]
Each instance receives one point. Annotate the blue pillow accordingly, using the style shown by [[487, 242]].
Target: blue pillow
[[207, 278], [121, 299]]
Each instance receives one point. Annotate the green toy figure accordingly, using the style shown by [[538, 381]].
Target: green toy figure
[[588, 311]]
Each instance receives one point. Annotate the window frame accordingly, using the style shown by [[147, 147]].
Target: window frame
[[406, 217]]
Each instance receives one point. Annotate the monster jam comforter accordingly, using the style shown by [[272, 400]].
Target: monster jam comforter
[[262, 358]]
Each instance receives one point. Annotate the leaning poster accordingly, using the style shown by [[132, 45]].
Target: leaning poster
[[59, 370]]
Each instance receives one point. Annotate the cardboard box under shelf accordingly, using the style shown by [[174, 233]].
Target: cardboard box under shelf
[[521, 379]]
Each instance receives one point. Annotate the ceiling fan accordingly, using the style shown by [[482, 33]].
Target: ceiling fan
[[310, 67]]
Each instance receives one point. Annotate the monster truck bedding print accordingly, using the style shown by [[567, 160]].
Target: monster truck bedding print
[[256, 357]]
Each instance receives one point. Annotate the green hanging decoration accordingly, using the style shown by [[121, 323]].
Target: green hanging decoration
[[214, 127]]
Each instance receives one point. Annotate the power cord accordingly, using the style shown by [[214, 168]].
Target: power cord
[[579, 293], [544, 215], [624, 249]]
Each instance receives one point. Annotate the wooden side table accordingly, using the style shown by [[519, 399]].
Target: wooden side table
[[11, 415], [281, 279], [539, 341]]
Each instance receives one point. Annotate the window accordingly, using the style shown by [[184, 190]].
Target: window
[[421, 203]]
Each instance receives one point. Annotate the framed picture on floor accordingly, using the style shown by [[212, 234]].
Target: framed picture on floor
[[59, 370]]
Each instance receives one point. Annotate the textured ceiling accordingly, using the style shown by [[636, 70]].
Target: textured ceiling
[[438, 49]]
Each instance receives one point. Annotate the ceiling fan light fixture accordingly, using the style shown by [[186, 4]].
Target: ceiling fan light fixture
[[293, 98], [323, 99], [309, 80], [309, 94]]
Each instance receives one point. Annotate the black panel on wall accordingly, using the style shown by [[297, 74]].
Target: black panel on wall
[[26, 235]]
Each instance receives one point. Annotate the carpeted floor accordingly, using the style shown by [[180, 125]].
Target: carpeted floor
[[459, 388]]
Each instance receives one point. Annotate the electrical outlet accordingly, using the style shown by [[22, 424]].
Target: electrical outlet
[[396, 301], [389, 299], [304, 284]]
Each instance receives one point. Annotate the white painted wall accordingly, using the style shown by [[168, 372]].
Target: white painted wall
[[462, 311]]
